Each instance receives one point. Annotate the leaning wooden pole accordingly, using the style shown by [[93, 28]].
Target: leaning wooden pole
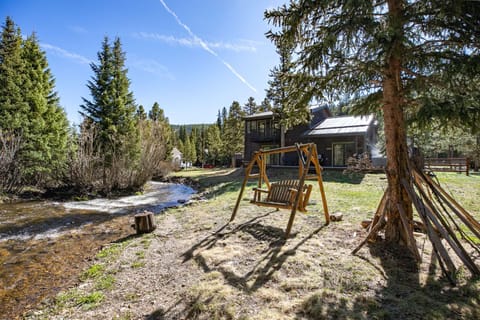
[[301, 183], [318, 170], [248, 170]]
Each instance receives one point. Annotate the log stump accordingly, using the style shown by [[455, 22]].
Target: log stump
[[336, 216], [144, 222]]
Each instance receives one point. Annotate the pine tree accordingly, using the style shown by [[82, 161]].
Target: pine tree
[[46, 145], [157, 113], [157, 116], [234, 131], [33, 112], [251, 106], [112, 106], [265, 105], [13, 107], [182, 134], [415, 59], [219, 120], [214, 143], [141, 114]]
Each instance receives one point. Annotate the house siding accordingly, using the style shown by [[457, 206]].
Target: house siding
[[333, 150]]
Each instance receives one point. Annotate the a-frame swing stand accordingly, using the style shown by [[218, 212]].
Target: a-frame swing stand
[[285, 194]]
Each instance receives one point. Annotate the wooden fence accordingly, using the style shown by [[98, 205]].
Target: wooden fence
[[448, 164]]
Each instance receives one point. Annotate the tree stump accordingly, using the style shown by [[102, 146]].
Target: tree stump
[[144, 222], [336, 216]]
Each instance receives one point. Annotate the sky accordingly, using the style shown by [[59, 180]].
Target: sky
[[193, 57]]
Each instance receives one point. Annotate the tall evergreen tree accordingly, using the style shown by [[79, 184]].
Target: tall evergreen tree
[[46, 141], [213, 143], [289, 112], [415, 59], [29, 106], [219, 120], [234, 131], [157, 113], [13, 105], [141, 114], [182, 134], [112, 106], [251, 106], [265, 105]]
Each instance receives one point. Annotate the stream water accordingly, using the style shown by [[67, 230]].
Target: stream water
[[44, 245]]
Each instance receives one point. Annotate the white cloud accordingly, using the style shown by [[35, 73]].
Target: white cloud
[[64, 53], [152, 66], [205, 46]]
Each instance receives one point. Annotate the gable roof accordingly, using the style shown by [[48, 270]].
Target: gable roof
[[344, 125]]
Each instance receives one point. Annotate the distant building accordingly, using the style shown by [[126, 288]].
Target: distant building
[[337, 138], [177, 157]]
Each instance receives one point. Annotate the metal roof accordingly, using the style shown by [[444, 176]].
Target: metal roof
[[260, 115], [345, 125]]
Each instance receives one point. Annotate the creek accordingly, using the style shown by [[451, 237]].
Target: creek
[[45, 245]]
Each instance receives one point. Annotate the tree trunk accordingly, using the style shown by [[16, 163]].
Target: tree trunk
[[282, 143], [395, 133]]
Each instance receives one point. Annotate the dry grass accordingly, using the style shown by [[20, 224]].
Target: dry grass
[[199, 267]]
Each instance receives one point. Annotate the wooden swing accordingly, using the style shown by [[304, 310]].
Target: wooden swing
[[285, 194]]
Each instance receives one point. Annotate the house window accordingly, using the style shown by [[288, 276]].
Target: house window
[[251, 126], [341, 152], [261, 128]]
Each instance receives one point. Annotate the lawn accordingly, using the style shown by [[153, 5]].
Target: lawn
[[196, 265]]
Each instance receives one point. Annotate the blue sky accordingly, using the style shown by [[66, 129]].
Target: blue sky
[[193, 57]]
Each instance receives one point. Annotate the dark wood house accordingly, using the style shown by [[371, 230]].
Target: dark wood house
[[337, 138]]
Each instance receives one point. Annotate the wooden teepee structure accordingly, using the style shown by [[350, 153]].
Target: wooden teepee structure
[[443, 220], [285, 194]]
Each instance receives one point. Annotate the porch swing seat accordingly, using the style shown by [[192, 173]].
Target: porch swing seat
[[281, 195]]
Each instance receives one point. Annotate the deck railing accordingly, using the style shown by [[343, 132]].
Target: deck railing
[[448, 164]]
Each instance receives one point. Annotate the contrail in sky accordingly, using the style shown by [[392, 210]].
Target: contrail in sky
[[64, 53], [205, 46]]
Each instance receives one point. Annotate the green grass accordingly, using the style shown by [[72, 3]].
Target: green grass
[[75, 298], [105, 282], [111, 252], [93, 271], [137, 264]]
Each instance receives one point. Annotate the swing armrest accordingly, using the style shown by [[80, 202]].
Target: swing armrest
[[257, 195], [260, 190]]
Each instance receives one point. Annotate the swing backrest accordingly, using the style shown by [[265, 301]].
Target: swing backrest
[[281, 191]]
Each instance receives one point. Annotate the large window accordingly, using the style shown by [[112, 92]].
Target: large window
[[341, 152], [263, 128]]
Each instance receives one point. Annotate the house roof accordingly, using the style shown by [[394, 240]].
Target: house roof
[[259, 115], [345, 125], [269, 114]]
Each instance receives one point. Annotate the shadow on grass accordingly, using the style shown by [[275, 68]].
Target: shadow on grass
[[264, 268], [340, 177], [403, 297]]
